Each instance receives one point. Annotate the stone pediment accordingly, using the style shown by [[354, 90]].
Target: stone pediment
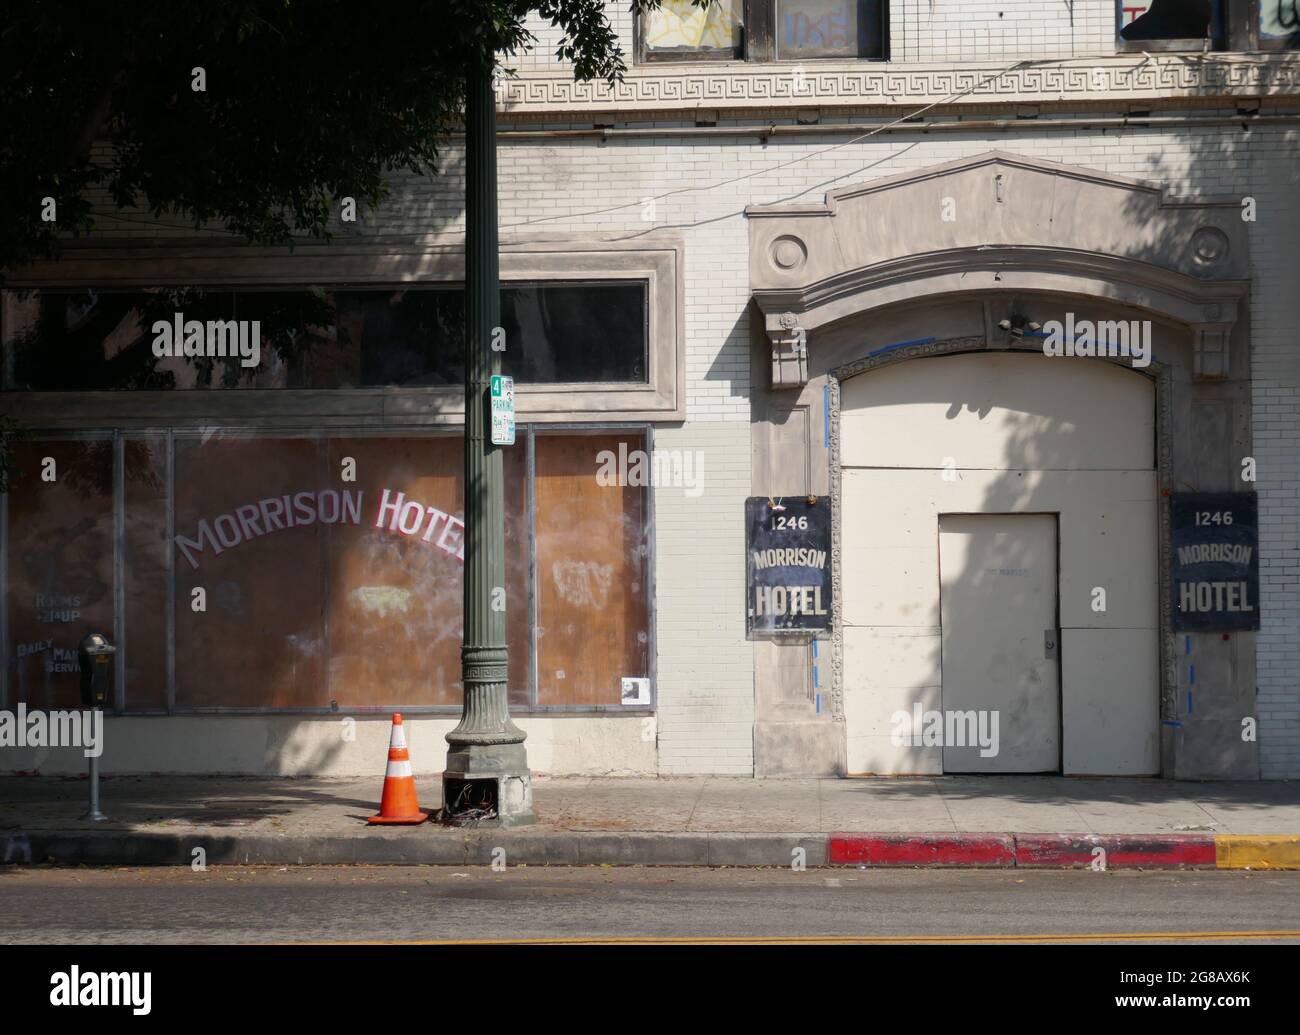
[[996, 221]]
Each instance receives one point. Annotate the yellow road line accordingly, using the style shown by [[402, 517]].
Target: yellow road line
[[1257, 852], [829, 939]]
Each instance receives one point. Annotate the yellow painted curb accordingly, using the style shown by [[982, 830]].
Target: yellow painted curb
[[1263, 852]]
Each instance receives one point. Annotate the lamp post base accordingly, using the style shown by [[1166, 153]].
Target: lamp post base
[[487, 785]]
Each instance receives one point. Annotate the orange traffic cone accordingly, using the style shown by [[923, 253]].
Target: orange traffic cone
[[399, 804]]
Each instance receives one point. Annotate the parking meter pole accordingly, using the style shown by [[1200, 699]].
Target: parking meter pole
[[95, 660], [94, 815]]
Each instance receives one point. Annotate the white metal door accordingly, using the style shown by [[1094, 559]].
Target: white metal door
[[998, 584]]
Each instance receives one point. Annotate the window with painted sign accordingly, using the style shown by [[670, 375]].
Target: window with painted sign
[[1215, 543], [319, 571], [332, 569]]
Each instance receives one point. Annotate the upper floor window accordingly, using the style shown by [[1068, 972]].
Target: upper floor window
[[557, 332], [681, 30], [1279, 23], [1172, 24], [830, 28], [765, 30]]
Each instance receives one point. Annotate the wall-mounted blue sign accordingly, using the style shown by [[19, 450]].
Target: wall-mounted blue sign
[[787, 565], [1215, 541]]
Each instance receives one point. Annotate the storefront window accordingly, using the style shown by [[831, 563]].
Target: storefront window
[[250, 586], [593, 621], [173, 339], [144, 570], [318, 571], [59, 563]]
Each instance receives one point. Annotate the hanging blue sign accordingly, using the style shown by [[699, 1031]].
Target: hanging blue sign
[[787, 565], [1215, 541]]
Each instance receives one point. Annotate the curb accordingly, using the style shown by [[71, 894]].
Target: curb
[[1125, 851], [1026, 851], [407, 848], [1267, 852], [975, 850], [1069, 851], [438, 847]]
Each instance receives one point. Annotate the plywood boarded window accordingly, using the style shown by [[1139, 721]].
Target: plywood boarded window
[[321, 570], [60, 565], [331, 557], [144, 571], [593, 620], [250, 535], [397, 578]]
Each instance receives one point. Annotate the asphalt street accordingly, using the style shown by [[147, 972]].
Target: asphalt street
[[607, 904]]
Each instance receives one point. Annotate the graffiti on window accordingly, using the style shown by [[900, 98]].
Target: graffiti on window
[[681, 25]]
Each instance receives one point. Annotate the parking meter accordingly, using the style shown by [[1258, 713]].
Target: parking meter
[[95, 654]]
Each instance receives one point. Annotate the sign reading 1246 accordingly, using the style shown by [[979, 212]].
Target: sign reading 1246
[[503, 410], [1216, 561], [787, 565]]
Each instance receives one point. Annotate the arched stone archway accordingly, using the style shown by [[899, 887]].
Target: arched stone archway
[[877, 276]]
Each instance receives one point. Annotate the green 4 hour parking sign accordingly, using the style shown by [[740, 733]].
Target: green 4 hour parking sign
[[503, 410]]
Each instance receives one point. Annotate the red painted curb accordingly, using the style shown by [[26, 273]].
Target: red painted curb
[[1148, 851], [921, 849], [1061, 851]]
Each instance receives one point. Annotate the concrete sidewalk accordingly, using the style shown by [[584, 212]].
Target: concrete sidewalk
[[677, 820]]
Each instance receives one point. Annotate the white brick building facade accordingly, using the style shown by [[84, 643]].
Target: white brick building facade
[[680, 150], [703, 183]]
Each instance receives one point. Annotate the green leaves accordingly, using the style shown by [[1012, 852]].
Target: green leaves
[[304, 103]]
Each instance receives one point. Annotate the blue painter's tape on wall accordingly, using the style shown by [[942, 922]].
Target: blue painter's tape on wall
[[826, 416], [900, 345]]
